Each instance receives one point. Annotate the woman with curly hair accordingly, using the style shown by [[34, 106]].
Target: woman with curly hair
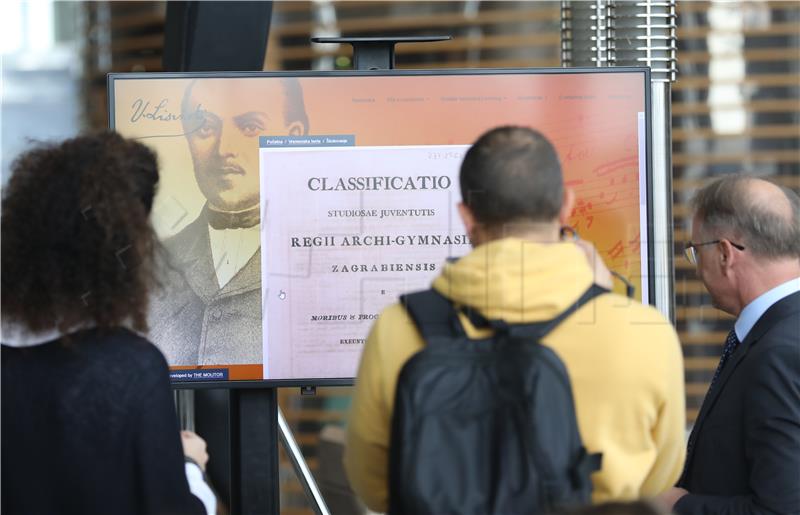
[[88, 421]]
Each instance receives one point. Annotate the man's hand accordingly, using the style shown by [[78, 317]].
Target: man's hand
[[671, 496], [194, 447], [602, 276]]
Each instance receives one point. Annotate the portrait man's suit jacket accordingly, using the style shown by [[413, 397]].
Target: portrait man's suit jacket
[[744, 453], [194, 321]]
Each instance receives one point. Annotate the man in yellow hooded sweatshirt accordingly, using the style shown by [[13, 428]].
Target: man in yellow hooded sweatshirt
[[623, 358]]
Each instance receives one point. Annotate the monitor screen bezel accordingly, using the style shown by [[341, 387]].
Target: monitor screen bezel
[[321, 382]]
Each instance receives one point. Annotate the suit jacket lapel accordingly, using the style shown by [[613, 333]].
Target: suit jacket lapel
[[719, 385], [712, 396], [246, 279], [196, 260]]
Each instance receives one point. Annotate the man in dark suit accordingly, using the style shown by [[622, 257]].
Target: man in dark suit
[[208, 311], [744, 450]]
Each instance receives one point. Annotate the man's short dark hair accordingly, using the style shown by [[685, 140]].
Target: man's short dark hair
[[510, 175], [725, 206]]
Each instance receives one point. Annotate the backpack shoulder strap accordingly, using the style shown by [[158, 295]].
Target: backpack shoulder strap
[[537, 330], [593, 291], [433, 313]]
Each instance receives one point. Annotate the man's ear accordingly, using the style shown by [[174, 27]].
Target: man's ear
[[297, 129], [727, 256], [567, 204], [468, 218]]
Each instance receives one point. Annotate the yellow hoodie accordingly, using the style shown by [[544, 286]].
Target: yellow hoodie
[[623, 358]]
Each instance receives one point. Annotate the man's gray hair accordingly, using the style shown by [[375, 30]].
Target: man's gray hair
[[724, 206]]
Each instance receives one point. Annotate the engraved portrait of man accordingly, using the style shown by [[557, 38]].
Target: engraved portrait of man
[[208, 309]]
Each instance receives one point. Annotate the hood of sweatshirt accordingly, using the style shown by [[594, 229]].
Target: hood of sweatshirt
[[516, 280]]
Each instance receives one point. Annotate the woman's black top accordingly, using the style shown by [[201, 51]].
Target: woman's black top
[[89, 427]]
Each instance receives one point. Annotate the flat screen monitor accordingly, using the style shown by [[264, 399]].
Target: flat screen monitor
[[294, 206]]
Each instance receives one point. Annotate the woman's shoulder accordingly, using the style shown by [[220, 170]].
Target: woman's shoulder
[[130, 359], [124, 344]]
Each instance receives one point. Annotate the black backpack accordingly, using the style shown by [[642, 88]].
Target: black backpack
[[485, 426]]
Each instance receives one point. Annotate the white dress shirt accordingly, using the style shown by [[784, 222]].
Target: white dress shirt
[[753, 311], [231, 249]]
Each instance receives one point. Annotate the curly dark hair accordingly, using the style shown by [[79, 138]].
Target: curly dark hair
[[77, 244]]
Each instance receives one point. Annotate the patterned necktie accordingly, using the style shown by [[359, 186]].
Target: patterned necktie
[[731, 342]]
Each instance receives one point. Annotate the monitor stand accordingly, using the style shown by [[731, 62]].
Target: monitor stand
[[377, 53]]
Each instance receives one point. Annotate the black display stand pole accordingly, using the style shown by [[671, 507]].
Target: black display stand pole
[[241, 424]]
